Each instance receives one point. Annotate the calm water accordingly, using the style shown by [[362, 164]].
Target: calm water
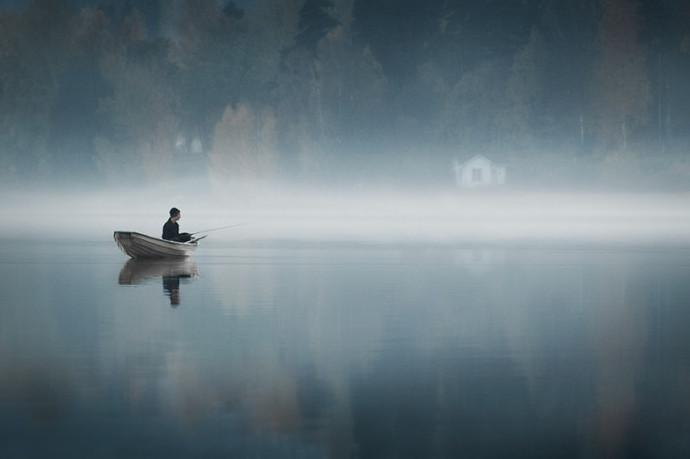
[[345, 350]]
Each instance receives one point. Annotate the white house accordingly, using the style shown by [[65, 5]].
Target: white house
[[478, 172]]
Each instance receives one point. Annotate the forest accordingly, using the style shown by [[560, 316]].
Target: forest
[[581, 93]]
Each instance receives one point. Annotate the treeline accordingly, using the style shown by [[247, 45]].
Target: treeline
[[359, 91]]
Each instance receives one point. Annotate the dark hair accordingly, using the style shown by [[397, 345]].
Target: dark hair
[[174, 211]]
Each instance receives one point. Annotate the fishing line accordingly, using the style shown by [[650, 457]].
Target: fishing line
[[225, 227]]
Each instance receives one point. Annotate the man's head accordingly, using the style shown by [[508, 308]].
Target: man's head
[[175, 214]]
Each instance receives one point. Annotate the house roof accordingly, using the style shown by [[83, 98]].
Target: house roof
[[477, 157]]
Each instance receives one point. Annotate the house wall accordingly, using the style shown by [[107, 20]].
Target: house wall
[[499, 173], [476, 172], [479, 172]]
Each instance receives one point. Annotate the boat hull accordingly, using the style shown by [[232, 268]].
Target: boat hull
[[138, 246]]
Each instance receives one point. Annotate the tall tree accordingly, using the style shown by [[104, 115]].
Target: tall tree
[[330, 101], [141, 110], [569, 38], [272, 29], [74, 116], [471, 108], [524, 96], [32, 58], [314, 23], [244, 147], [621, 84], [227, 58], [211, 47]]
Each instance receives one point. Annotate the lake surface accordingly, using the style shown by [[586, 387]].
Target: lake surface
[[337, 349]]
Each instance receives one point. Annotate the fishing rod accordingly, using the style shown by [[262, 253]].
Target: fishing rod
[[224, 227]]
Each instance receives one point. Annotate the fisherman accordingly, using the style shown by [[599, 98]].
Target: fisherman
[[171, 230]]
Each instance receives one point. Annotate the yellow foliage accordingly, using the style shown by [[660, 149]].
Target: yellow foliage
[[244, 144]]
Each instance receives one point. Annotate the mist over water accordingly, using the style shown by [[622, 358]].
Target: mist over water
[[371, 216]]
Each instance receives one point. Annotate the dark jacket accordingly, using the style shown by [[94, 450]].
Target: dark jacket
[[171, 232]]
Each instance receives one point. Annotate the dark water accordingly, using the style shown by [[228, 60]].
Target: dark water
[[345, 350]]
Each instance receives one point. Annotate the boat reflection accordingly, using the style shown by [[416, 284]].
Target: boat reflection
[[171, 271]]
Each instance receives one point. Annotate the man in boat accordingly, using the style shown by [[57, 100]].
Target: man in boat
[[171, 230]]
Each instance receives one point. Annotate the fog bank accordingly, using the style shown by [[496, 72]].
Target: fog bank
[[378, 217]]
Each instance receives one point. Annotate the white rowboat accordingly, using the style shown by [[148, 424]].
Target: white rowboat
[[138, 245]]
